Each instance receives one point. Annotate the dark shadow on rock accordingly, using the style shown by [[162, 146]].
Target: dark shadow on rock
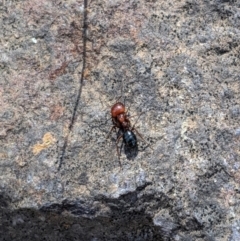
[[80, 220], [82, 223]]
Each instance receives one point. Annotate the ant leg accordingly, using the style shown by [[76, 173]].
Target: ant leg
[[136, 120], [113, 127], [120, 155], [141, 136], [134, 129], [121, 148], [136, 115], [108, 119], [118, 139]]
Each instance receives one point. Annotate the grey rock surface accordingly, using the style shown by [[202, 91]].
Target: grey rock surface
[[63, 64]]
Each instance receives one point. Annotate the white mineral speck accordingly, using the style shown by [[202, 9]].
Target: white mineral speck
[[34, 40]]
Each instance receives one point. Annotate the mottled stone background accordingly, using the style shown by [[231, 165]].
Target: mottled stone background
[[63, 64]]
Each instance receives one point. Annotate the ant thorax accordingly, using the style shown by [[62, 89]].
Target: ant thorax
[[121, 118]]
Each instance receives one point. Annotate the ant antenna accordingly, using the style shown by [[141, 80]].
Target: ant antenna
[[122, 87], [118, 98], [124, 100]]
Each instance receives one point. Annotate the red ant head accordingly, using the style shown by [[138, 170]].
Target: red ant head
[[117, 109]]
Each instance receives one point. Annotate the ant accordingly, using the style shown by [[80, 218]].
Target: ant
[[120, 120]]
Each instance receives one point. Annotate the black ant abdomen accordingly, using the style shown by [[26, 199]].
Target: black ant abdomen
[[130, 139]]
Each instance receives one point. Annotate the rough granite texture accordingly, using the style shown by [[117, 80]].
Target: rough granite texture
[[63, 64]]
